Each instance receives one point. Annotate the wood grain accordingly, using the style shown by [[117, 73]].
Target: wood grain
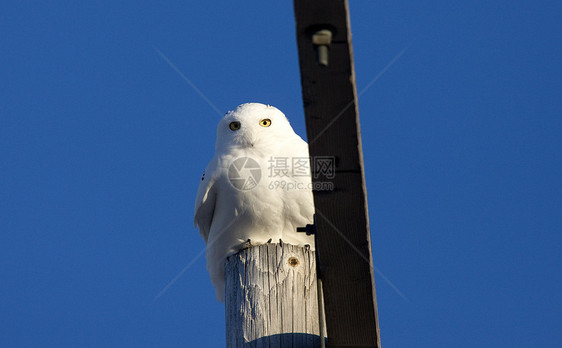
[[271, 297]]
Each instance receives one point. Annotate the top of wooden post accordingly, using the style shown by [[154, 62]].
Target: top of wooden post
[[271, 297]]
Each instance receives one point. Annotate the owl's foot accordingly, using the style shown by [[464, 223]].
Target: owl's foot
[[269, 241], [280, 242], [247, 244]]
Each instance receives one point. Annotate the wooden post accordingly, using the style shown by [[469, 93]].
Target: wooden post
[[271, 297]]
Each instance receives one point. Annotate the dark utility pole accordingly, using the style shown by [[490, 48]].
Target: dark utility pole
[[334, 137]]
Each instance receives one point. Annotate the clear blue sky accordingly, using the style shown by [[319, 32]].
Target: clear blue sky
[[102, 145]]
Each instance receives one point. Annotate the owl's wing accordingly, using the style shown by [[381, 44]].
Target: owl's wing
[[205, 204]]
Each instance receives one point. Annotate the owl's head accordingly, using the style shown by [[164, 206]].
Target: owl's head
[[253, 125]]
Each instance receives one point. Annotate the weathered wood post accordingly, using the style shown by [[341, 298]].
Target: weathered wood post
[[271, 297]]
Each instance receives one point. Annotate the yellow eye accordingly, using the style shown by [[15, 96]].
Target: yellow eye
[[234, 125], [266, 122]]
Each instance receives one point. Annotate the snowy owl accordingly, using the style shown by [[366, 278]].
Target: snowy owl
[[256, 189]]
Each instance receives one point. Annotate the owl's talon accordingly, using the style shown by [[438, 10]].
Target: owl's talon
[[280, 242], [247, 244], [269, 241]]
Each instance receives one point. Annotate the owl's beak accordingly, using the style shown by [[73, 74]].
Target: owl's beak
[[246, 143], [250, 139]]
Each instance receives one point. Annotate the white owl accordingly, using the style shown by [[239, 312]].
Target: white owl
[[257, 187]]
